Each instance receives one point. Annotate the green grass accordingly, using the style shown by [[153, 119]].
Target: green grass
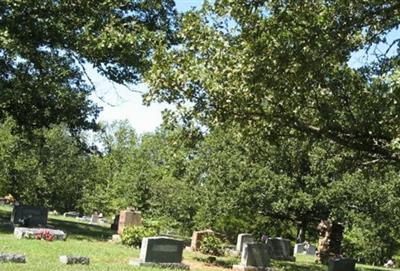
[[92, 241]]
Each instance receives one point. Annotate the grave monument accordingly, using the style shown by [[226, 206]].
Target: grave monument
[[161, 252], [254, 257]]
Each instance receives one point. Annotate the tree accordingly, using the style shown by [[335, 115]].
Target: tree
[[50, 173], [44, 46], [273, 66]]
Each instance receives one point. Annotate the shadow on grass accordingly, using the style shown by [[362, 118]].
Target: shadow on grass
[[82, 231]]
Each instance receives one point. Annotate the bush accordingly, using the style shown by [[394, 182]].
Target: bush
[[212, 245], [132, 236], [357, 243]]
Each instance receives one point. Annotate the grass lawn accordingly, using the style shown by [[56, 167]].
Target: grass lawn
[[92, 241]]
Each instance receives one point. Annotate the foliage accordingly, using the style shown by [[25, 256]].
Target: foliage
[[212, 245], [273, 66], [132, 236], [45, 46], [50, 171]]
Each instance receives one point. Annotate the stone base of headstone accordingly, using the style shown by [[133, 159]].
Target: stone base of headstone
[[12, 258], [31, 233], [74, 260], [139, 263], [251, 268]]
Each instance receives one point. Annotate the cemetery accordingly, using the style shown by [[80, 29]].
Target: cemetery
[[203, 135], [90, 245]]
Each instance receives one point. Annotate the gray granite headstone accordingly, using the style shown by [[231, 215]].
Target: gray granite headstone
[[344, 264], [29, 216], [311, 250], [242, 239], [279, 249], [255, 254], [299, 248]]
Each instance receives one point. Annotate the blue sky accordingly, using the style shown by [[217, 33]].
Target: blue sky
[[119, 103]]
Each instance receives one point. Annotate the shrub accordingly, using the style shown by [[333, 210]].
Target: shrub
[[212, 245], [357, 244], [132, 236]]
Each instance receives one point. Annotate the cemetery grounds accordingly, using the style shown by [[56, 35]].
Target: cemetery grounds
[[93, 241]]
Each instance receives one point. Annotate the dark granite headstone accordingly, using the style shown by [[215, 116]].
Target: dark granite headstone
[[161, 250], [279, 249], [345, 264], [29, 216]]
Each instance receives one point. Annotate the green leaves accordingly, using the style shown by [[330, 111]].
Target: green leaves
[[269, 66]]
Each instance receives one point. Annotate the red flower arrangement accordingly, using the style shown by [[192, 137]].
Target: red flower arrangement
[[44, 235]]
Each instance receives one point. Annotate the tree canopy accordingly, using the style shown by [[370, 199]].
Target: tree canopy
[[44, 46], [273, 66]]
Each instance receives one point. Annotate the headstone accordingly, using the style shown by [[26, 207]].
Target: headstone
[[305, 248], [310, 250], [29, 216], [255, 256], [12, 258], [344, 264], [95, 218], [242, 239], [198, 236], [129, 218], [74, 260], [161, 252], [279, 249], [35, 233], [299, 248]]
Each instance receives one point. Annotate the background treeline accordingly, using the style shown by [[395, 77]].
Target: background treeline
[[186, 179]]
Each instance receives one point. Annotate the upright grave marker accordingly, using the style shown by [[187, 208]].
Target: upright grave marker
[[161, 252], [255, 257], [29, 216], [305, 248], [344, 264], [128, 218], [279, 249], [242, 239]]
